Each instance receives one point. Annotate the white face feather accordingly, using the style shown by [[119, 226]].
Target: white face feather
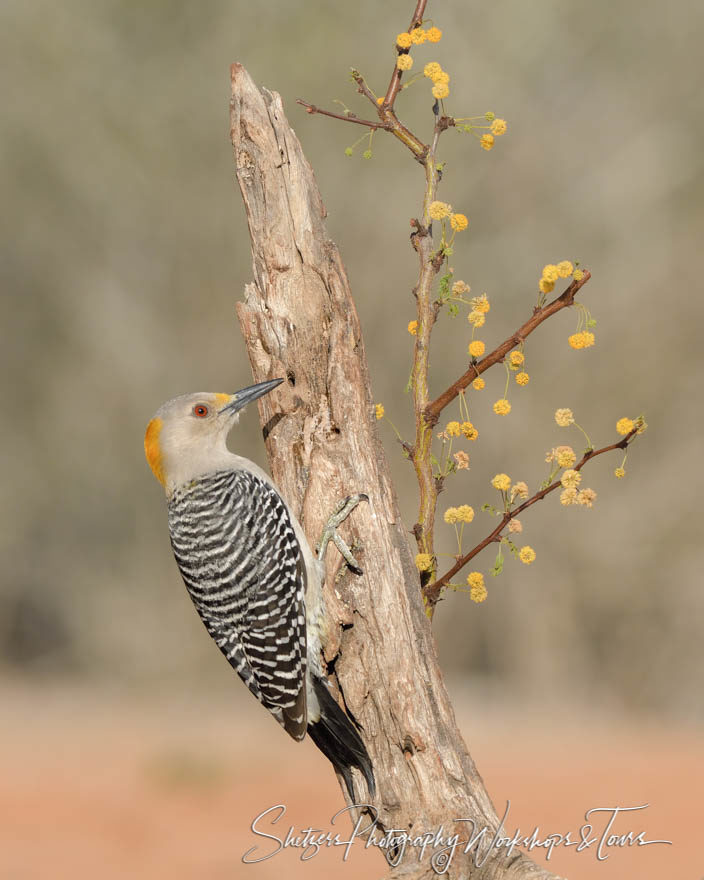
[[187, 437]]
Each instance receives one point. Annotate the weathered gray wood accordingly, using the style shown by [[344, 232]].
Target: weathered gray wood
[[299, 320]]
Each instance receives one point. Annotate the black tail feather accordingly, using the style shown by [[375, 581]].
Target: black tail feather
[[336, 737]]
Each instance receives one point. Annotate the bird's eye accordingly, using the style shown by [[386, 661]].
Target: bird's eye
[[200, 410]]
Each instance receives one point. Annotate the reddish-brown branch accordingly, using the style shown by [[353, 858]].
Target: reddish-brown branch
[[395, 81], [539, 315], [346, 117], [432, 591]]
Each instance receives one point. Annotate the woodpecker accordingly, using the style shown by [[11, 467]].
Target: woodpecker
[[249, 569]]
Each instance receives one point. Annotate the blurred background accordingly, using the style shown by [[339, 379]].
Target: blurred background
[[124, 246]]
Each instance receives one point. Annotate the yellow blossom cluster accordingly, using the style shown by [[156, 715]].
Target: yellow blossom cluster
[[379, 410], [439, 210], [463, 514], [619, 473], [516, 359], [424, 561], [564, 417], [515, 526], [460, 287], [586, 497], [477, 587], [480, 304], [564, 456], [502, 482], [498, 127], [404, 62], [571, 479], [469, 431], [479, 383], [625, 426], [526, 555], [413, 327], [452, 429], [571, 495], [487, 141], [551, 272], [502, 407], [583, 339], [439, 78], [459, 222], [522, 378], [476, 348]]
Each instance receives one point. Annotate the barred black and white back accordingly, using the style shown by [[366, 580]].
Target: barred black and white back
[[242, 564]]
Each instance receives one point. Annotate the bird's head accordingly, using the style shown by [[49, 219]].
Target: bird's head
[[187, 436]]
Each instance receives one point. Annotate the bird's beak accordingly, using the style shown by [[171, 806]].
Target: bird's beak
[[241, 398]]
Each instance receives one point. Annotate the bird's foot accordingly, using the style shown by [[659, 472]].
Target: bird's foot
[[340, 514]]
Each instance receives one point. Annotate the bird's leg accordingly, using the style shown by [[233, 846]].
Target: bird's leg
[[340, 514]]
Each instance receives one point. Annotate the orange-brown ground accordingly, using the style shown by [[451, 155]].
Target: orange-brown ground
[[112, 787]]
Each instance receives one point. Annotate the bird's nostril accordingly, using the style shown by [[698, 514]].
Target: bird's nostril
[[291, 376]]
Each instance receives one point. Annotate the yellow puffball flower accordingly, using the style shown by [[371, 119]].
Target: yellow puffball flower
[[460, 287], [380, 100], [434, 35], [565, 457], [424, 561], [568, 496], [578, 274], [413, 327], [515, 526], [453, 429], [565, 269], [576, 340], [546, 286], [522, 378], [418, 35], [481, 303], [501, 482], [439, 210], [459, 222], [550, 272], [526, 555], [487, 141], [441, 90], [465, 513], [379, 410], [502, 407], [476, 319], [516, 358], [498, 127], [478, 594], [450, 516], [475, 579], [441, 77], [469, 431], [478, 383], [619, 473], [432, 69], [404, 62], [476, 348], [564, 417], [571, 479], [587, 338], [404, 40], [586, 497], [625, 426]]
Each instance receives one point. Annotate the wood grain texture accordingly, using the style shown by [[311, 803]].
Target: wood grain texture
[[299, 321]]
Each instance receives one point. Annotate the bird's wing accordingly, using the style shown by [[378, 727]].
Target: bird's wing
[[238, 554]]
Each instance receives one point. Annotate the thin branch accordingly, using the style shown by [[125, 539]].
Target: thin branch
[[395, 82], [432, 591], [539, 315], [347, 117]]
